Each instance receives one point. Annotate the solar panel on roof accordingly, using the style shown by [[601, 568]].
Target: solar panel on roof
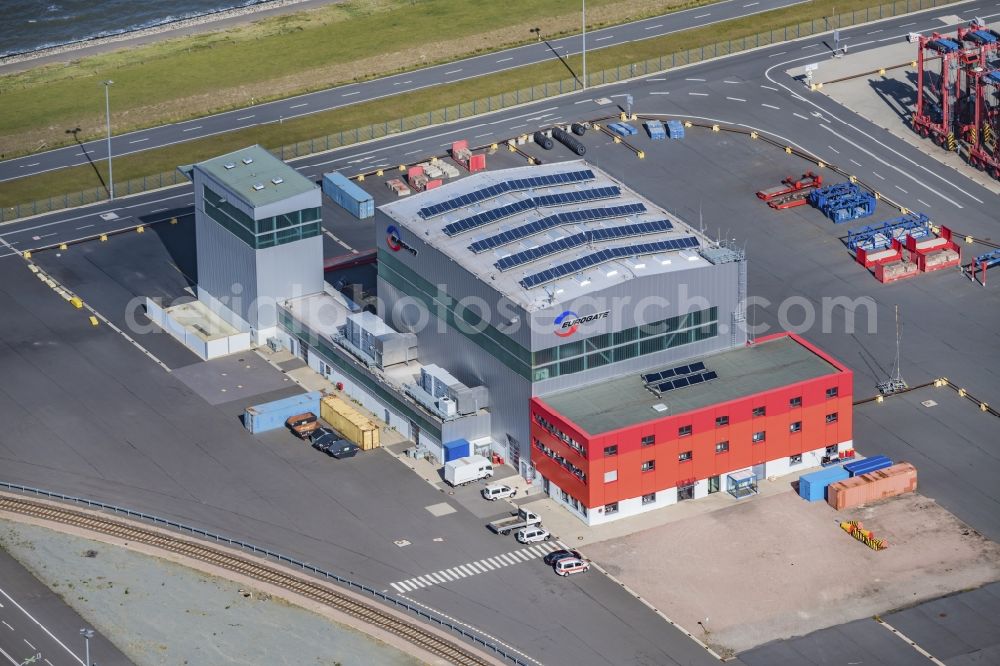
[[555, 220], [697, 367], [503, 187]]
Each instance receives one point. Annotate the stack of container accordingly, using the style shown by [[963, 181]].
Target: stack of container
[[866, 465], [934, 253], [655, 130], [675, 129], [272, 415], [459, 448], [872, 487], [623, 129], [813, 486], [350, 423], [348, 196]]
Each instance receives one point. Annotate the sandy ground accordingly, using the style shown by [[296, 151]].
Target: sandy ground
[[775, 567], [158, 612]]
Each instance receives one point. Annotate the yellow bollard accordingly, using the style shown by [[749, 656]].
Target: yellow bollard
[[597, 126], [623, 116], [93, 320], [493, 146], [715, 128], [173, 220], [913, 63], [402, 167], [968, 239], [820, 165], [688, 123], [853, 179], [641, 155], [879, 399], [983, 407], [788, 149], [104, 237], [361, 177], [618, 139], [635, 117], [379, 172], [961, 393], [938, 383], [531, 160], [62, 246], [904, 211], [77, 303], [881, 71], [27, 255], [140, 229], [813, 87], [434, 160], [754, 135], [878, 196]]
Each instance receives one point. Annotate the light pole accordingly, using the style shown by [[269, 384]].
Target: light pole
[[107, 113], [87, 635], [584, 44]]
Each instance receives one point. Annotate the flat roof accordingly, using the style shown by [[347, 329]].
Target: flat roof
[[275, 179], [623, 402], [552, 231]]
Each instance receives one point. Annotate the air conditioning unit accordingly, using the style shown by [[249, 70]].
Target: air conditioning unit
[[275, 344], [447, 406]]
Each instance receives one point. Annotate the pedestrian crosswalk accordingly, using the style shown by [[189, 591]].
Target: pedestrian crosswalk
[[482, 566]]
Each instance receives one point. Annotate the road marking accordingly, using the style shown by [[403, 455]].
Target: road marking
[[799, 115], [856, 163], [934, 660], [659, 93], [30, 165], [906, 24], [736, 99], [517, 126], [878, 175], [299, 106], [480, 136], [873, 32], [191, 129], [751, 4], [479, 567], [727, 81], [772, 106], [42, 626], [29, 644], [703, 15], [86, 226], [811, 46], [600, 39], [833, 149], [356, 92], [139, 140], [245, 117], [702, 80], [901, 189], [7, 625], [583, 101], [775, 55], [921, 201], [768, 87], [498, 122], [412, 152], [79, 154], [504, 59], [698, 94], [454, 71], [10, 658], [654, 27]]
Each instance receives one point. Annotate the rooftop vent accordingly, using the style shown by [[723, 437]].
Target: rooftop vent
[[277, 180], [258, 186], [660, 407], [247, 160], [229, 165]]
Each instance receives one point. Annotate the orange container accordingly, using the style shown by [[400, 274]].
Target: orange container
[[872, 487]]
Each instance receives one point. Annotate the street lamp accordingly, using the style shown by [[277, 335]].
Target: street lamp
[[87, 633], [537, 32], [584, 12], [107, 113]]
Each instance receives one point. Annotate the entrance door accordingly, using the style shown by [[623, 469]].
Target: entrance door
[[514, 452], [415, 433], [758, 471], [713, 484], [546, 486]]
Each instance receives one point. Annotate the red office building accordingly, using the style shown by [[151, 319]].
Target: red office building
[[718, 423]]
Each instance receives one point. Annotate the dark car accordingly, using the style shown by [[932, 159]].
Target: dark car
[[343, 449], [557, 555]]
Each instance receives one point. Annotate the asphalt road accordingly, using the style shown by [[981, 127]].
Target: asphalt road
[[197, 467], [333, 98], [37, 627]]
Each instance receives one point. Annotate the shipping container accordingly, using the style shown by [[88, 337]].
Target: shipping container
[[675, 129], [865, 465], [457, 449], [349, 422], [812, 486], [348, 195], [872, 487], [272, 415]]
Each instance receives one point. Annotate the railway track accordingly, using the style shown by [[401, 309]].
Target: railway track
[[371, 614]]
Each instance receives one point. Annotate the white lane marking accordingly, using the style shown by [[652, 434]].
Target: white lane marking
[[924, 203], [659, 93], [775, 55], [698, 94], [412, 152], [727, 81], [7, 625], [454, 71], [505, 120], [772, 106], [10, 658], [906, 24], [873, 32], [299, 106], [768, 87], [61, 644], [702, 80], [517, 126], [811, 46], [736, 99], [86, 226], [855, 162], [356, 92], [659, 79], [906, 639], [751, 4], [833, 149], [799, 115], [48, 662], [504, 59], [601, 39], [480, 136], [191, 129], [654, 27], [29, 644], [901, 189], [30, 165], [878, 175], [703, 15], [140, 140], [245, 117]]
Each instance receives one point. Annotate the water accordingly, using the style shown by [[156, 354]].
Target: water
[[29, 25]]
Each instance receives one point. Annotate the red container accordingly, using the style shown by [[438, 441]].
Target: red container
[[872, 487], [431, 184], [477, 163]]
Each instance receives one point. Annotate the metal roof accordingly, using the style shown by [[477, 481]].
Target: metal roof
[[255, 175], [549, 232], [626, 401]]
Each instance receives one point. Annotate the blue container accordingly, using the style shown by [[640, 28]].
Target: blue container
[[812, 486], [655, 130], [348, 195], [866, 465], [456, 449], [272, 415], [675, 129]]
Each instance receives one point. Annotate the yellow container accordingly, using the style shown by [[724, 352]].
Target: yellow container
[[351, 423]]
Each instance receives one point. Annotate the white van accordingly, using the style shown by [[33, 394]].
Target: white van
[[496, 491], [533, 534]]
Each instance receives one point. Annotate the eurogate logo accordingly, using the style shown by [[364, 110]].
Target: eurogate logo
[[394, 239], [569, 322]]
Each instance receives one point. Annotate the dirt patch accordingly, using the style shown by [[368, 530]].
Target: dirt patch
[[775, 567]]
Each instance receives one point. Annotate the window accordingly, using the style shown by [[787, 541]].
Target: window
[[648, 499], [722, 447], [610, 450], [684, 431], [832, 450], [831, 418], [611, 476], [760, 411], [795, 427], [721, 421], [685, 456], [759, 437], [649, 466], [832, 392], [795, 460], [611, 508], [795, 402], [649, 440]]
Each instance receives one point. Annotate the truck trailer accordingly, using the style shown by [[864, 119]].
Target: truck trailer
[[462, 471]]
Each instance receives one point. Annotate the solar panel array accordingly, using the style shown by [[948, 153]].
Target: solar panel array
[[558, 219], [604, 256], [496, 214], [516, 185], [679, 377], [594, 235]]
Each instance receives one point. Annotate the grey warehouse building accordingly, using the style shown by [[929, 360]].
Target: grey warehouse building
[[538, 279]]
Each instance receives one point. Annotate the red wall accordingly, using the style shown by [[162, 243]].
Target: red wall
[[632, 482]]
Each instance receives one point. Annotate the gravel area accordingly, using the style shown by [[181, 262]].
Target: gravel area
[[158, 612], [775, 567]]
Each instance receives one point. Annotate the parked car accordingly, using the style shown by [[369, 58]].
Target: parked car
[[496, 491], [556, 555], [343, 449], [303, 424], [325, 441], [533, 534], [322, 432], [571, 565]]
